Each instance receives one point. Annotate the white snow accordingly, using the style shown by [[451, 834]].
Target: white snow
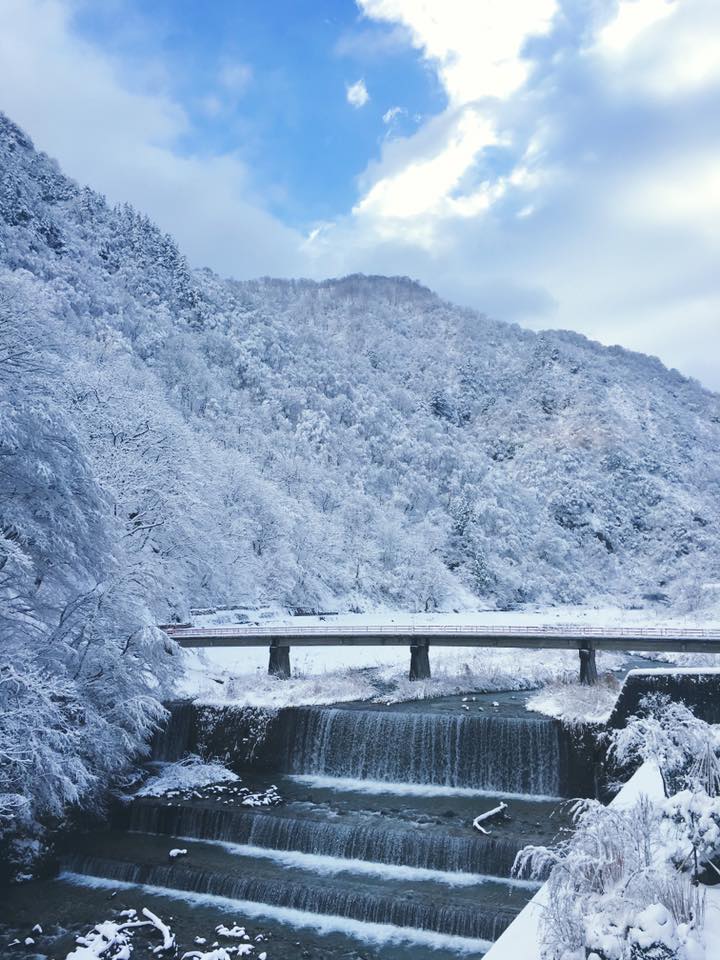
[[646, 781], [521, 940], [188, 774], [235, 931], [479, 820], [671, 671], [575, 702], [110, 938], [218, 954], [167, 935], [330, 674]]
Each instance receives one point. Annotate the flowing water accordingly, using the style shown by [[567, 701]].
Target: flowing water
[[499, 754], [373, 848]]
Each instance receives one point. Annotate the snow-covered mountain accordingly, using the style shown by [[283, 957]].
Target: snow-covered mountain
[[351, 442]]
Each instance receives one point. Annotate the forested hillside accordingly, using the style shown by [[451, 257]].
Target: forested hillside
[[171, 438], [349, 442]]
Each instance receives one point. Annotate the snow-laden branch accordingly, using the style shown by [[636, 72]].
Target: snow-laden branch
[[488, 815]]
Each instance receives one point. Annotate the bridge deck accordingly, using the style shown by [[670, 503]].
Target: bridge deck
[[648, 639]]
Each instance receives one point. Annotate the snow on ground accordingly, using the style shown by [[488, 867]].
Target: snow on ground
[[192, 773], [659, 671], [193, 778], [453, 672], [340, 674], [575, 702], [712, 918]]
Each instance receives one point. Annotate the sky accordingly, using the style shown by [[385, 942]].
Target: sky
[[553, 163]]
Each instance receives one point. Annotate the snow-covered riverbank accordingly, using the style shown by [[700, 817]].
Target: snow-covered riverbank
[[341, 674]]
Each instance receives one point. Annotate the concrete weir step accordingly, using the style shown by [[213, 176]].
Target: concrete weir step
[[479, 910], [77, 903], [359, 828]]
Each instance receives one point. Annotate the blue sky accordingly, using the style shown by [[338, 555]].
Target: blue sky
[[270, 80], [549, 162]]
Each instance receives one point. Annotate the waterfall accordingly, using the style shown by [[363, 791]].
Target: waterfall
[[414, 864], [177, 736], [437, 850], [503, 754], [459, 918]]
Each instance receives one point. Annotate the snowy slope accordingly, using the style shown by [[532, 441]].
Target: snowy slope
[[355, 442]]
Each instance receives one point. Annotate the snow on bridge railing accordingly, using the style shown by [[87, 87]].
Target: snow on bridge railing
[[429, 630]]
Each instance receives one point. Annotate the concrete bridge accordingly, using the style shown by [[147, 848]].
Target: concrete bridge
[[586, 640]]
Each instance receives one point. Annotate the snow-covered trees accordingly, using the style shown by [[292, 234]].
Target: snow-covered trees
[[627, 883], [614, 889], [79, 656], [390, 447], [169, 439], [667, 733]]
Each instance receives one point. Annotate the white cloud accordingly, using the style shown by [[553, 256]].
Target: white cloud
[[357, 95], [477, 47], [392, 114], [477, 50], [425, 186], [521, 198], [632, 19], [683, 195], [664, 47], [80, 107], [591, 226]]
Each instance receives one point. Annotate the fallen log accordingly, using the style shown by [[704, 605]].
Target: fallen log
[[489, 815]]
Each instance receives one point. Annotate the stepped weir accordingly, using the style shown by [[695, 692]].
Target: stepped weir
[[381, 799]]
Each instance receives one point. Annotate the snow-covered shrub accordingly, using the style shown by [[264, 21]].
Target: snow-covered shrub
[[626, 883], [613, 890], [685, 749], [190, 773], [695, 842]]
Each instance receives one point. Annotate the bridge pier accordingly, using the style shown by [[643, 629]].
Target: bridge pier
[[588, 666], [420, 659], [279, 665]]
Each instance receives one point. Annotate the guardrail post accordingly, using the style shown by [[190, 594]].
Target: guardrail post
[[279, 665], [419, 659], [588, 666]]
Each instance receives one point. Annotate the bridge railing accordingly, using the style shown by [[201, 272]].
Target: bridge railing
[[279, 638], [427, 630]]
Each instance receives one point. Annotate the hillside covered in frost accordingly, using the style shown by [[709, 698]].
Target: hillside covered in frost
[[347, 443]]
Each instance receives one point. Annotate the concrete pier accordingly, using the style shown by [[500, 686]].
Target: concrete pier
[[279, 665], [588, 666], [419, 659]]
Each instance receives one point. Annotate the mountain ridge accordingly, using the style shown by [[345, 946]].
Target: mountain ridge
[[356, 440]]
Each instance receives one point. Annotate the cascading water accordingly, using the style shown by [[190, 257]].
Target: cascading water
[[397, 851], [176, 736], [464, 919], [436, 850], [500, 754]]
